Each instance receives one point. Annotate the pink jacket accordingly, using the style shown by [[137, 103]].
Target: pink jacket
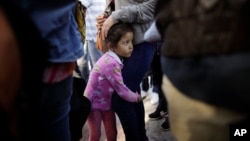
[[104, 79]]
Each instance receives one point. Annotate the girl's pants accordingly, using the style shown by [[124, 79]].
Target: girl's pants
[[94, 123]]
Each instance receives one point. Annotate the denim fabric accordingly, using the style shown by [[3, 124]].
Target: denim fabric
[[55, 21], [83, 64], [94, 53], [45, 114], [55, 107], [91, 55], [132, 115]]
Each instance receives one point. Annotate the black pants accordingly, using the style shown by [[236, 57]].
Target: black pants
[[80, 108], [157, 81]]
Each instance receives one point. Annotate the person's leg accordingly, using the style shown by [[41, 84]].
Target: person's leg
[[193, 120], [161, 109], [162, 106], [109, 122], [140, 113], [80, 108], [127, 116], [132, 115], [83, 63], [55, 107], [94, 53], [94, 124], [145, 83]]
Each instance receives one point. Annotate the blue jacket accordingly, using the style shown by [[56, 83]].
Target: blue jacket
[[55, 21]]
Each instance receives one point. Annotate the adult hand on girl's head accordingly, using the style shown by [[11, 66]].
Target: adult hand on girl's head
[[100, 20], [106, 26]]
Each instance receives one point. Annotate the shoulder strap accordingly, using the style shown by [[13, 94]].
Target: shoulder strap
[[108, 4]]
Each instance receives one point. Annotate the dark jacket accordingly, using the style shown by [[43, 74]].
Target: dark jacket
[[202, 27], [206, 49]]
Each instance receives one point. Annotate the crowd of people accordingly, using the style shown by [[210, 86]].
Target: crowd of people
[[201, 68]]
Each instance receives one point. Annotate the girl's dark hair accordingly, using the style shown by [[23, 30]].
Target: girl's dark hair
[[117, 31]]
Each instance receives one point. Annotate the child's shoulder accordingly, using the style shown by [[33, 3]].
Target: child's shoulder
[[107, 59]]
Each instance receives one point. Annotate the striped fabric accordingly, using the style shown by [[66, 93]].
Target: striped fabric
[[94, 8], [56, 72]]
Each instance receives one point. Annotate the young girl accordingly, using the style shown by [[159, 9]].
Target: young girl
[[105, 78]]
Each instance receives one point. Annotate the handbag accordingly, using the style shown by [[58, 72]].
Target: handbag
[[100, 42]]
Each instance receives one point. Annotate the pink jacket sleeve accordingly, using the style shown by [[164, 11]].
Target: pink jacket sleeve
[[116, 81]]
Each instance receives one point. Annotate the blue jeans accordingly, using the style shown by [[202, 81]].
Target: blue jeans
[[55, 107], [83, 64], [94, 53], [91, 55], [130, 114], [45, 112]]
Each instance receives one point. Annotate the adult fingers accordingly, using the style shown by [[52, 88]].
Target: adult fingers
[[106, 26]]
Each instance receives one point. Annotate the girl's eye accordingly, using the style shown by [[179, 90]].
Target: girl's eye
[[126, 42]]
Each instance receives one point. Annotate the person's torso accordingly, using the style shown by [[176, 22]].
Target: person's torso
[[94, 8], [99, 90], [56, 23], [206, 51], [139, 28], [204, 27]]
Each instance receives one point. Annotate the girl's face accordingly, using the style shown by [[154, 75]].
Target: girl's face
[[124, 47]]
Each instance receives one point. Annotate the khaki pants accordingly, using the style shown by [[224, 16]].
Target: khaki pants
[[193, 120]]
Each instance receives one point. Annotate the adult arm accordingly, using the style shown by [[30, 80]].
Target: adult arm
[[136, 13]]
